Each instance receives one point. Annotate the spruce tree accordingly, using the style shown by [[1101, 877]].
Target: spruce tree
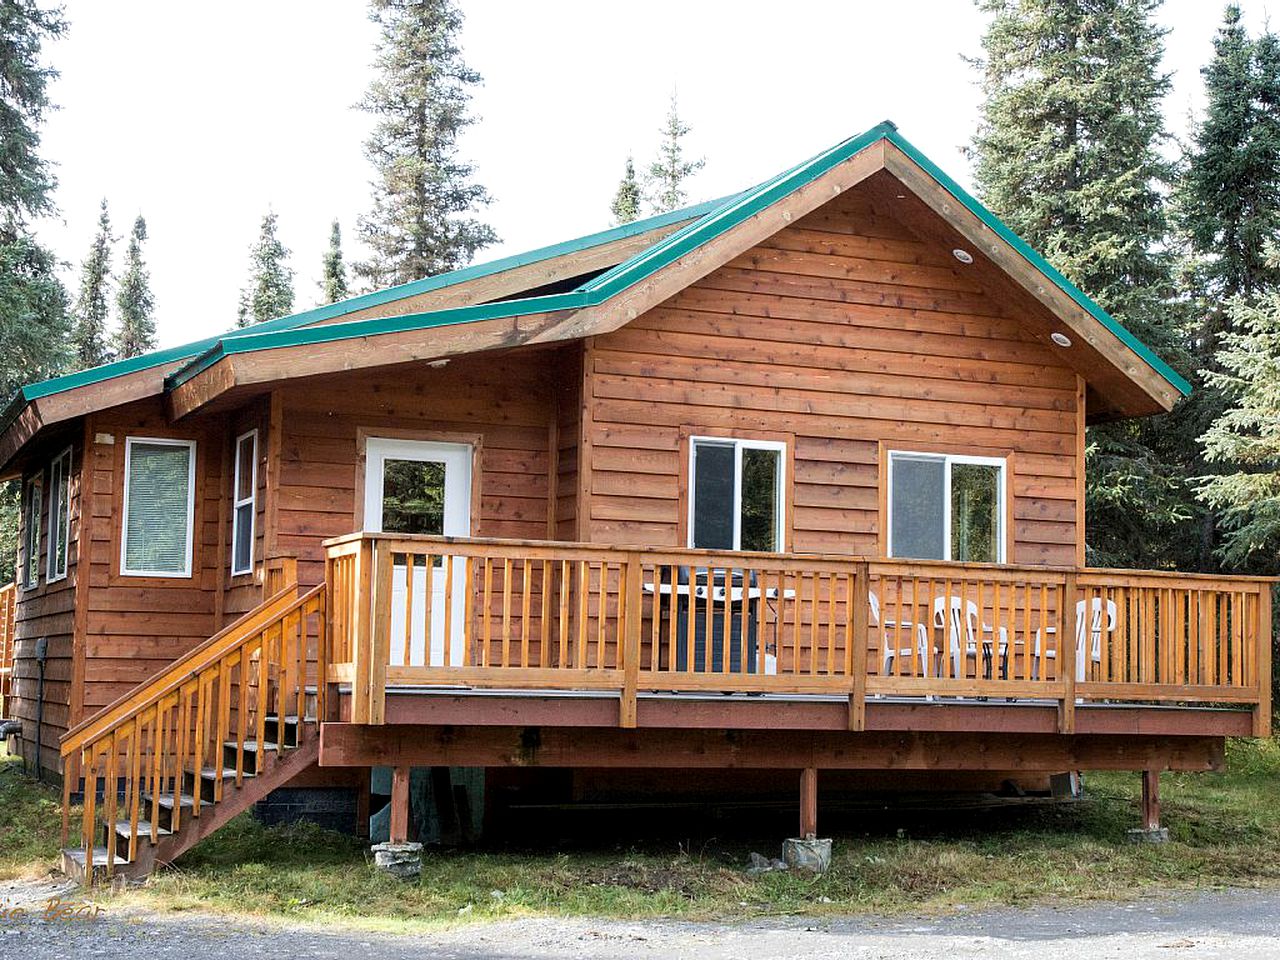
[[89, 335], [269, 293], [1244, 440], [626, 201], [1229, 196], [424, 197], [1068, 154], [137, 332], [1228, 212], [670, 171], [34, 328], [333, 279]]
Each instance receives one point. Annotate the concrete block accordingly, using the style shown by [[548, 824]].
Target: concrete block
[[402, 860], [808, 854], [1158, 835]]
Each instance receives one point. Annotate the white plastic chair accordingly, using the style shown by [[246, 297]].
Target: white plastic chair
[[963, 624], [1093, 623], [892, 652]]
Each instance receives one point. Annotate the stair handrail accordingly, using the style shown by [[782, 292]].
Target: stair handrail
[[192, 662]]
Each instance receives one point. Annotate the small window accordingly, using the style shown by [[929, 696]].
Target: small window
[[736, 501], [31, 542], [159, 501], [59, 515], [946, 508], [244, 503]]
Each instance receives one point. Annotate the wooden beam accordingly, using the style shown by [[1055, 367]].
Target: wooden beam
[[345, 744], [446, 708], [808, 803], [399, 831]]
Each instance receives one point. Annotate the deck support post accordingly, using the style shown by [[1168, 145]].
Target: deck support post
[[807, 852], [1151, 831], [399, 830], [808, 803]]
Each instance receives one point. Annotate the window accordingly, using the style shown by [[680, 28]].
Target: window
[[736, 501], [159, 500], [244, 503], [31, 542], [946, 508], [59, 515]]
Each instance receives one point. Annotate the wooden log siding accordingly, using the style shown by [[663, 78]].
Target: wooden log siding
[[136, 626], [48, 611], [542, 615], [505, 403], [840, 332]]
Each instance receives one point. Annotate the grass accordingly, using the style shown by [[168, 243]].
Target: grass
[[1225, 832]]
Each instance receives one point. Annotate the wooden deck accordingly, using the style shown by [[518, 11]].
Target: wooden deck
[[627, 622]]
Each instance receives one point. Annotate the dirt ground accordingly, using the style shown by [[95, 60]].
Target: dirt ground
[[1236, 924]]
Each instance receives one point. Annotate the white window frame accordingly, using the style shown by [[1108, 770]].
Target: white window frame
[[948, 460], [237, 502], [780, 504], [31, 531], [191, 506], [59, 525]]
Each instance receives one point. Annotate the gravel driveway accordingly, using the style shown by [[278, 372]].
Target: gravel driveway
[[1241, 925]]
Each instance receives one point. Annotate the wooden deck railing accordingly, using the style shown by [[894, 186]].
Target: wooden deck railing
[[150, 749], [538, 615], [8, 646]]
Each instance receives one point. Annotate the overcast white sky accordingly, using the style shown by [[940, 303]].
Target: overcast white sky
[[201, 117]]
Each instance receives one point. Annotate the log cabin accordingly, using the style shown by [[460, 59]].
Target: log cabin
[[790, 481]]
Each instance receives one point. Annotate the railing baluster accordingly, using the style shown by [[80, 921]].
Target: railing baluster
[[526, 600]]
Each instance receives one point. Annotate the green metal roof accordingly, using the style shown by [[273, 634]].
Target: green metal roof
[[157, 358], [713, 219]]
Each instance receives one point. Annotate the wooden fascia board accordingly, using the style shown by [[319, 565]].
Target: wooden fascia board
[[262, 367], [77, 402], [1073, 316], [699, 262]]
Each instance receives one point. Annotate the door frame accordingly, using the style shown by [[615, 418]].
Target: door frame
[[363, 435]]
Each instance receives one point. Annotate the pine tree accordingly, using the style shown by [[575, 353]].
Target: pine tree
[[626, 202], [34, 328], [333, 280], [269, 293], [137, 332], [93, 305], [424, 198], [1228, 212], [670, 172], [1067, 153]]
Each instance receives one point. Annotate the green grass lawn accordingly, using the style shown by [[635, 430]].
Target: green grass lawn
[[1225, 832]]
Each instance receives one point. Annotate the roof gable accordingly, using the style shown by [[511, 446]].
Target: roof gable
[[722, 229]]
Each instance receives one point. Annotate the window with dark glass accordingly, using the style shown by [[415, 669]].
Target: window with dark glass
[[946, 507], [244, 503], [736, 501], [31, 540], [59, 515]]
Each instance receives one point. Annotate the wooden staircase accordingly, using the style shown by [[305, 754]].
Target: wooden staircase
[[177, 757]]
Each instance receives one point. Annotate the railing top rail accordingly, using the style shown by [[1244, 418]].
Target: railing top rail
[[347, 543], [177, 673]]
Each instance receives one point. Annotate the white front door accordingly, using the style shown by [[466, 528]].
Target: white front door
[[415, 486]]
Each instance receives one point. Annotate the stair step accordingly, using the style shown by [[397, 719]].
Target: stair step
[[251, 746], [185, 800], [228, 773], [77, 855], [144, 829]]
